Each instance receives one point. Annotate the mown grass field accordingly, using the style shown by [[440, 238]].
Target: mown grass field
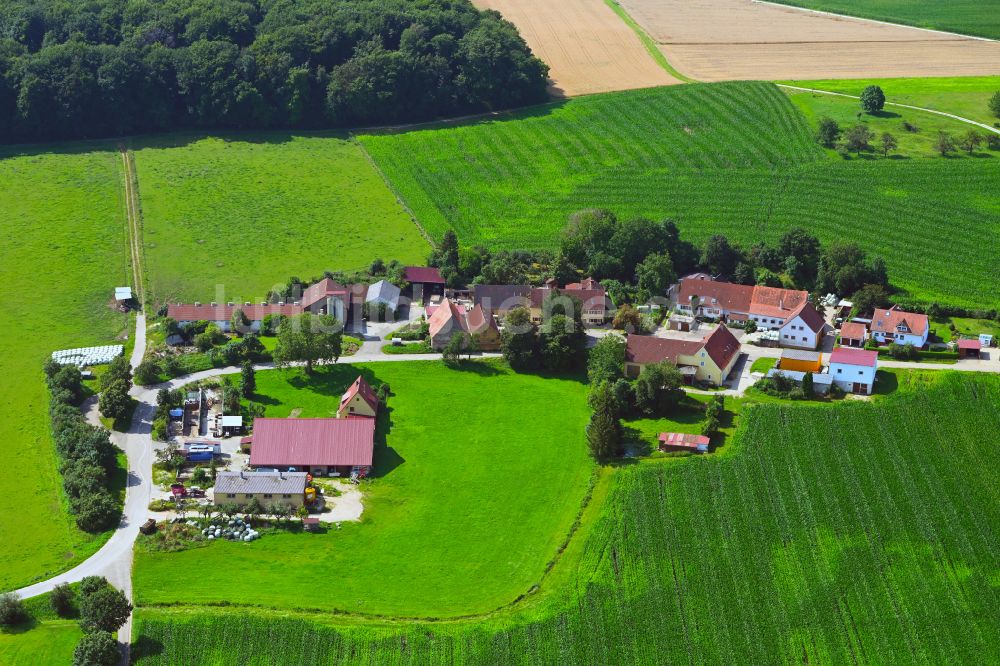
[[970, 17], [912, 144], [248, 211], [966, 96], [858, 532], [64, 252], [45, 638], [733, 158], [479, 480]]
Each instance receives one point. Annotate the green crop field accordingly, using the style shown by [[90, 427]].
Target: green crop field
[[735, 158], [480, 479], [858, 532], [966, 96], [63, 254], [249, 211], [970, 17]]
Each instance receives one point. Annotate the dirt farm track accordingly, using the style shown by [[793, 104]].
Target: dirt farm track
[[588, 48], [713, 40]]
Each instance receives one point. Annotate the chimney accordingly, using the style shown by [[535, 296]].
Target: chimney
[[263, 304], [247, 303], [230, 304], [214, 304], [281, 303], [197, 303]]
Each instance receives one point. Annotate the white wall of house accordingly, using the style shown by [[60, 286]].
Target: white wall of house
[[901, 338], [765, 323], [845, 375], [796, 333]]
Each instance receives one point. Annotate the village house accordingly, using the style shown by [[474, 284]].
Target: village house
[[500, 299], [903, 328], [425, 282], [322, 447], [269, 488], [803, 328], [710, 359], [853, 334], [854, 370], [450, 318], [359, 400]]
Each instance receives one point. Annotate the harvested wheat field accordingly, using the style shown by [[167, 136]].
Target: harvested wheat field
[[587, 46], [715, 40]]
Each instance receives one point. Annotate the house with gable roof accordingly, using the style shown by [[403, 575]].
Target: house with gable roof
[[803, 328], [901, 327], [451, 318], [359, 400], [710, 359]]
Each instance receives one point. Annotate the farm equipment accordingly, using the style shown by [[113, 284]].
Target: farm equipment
[[178, 490], [148, 527], [310, 495]]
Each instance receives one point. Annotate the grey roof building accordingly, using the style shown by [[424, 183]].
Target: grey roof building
[[247, 485], [383, 292]]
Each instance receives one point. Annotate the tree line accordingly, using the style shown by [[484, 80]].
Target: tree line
[[87, 458], [106, 67]]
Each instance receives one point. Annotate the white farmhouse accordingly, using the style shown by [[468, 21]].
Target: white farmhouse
[[854, 369], [903, 328], [803, 328]]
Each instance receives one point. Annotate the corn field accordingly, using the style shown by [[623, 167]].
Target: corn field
[[735, 158], [859, 533]]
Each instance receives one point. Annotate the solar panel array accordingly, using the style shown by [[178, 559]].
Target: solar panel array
[[86, 356]]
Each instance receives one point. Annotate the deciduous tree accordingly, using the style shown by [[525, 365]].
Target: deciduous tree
[[872, 99], [309, 338]]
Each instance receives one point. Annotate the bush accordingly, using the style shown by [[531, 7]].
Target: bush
[[161, 505], [147, 372], [61, 600], [96, 512], [11, 610], [97, 649]]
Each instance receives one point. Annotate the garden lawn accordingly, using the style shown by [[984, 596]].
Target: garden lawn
[[970, 17], [732, 158], [64, 252], [477, 484], [852, 531], [47, 642], [248, 211], [965, 96]]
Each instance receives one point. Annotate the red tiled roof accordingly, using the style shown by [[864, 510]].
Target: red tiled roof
[[362, 388], [683, 439], [852, 356], [321, 290], [477, 321], [592, 299], [447, 315], [970, 344], [886, 321], [586, 283], [643, 349], [301, 442], [721, 346], [223, 312], [810, 315], [712, 294], [853, 330], [423, 274]]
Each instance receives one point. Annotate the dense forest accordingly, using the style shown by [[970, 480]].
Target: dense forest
[[87, 68]]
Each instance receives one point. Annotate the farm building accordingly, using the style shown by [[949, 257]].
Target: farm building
[[821, 381], [221, 314], [450, 318], [854, 370], [323, 447], [853, 334], [358, 400], [684, 323], [677, 441], [768, 307], [231, 425], [383, 293], [500, 299], [903, 328], [268, 488], [710, 359], [425, 282], [800, 360], [330, 297], [969, 348]]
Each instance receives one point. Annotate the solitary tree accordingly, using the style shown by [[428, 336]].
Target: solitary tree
[[872, 99], [456, 345], [971, 140], [859, 138], [944, 143], [604, 432], [309, 338], [106, 609], [11, 609], [995, 104], [828, 133], [97, 649], [889, 144], [248, 379]]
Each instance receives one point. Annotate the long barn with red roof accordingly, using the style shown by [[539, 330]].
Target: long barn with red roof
[[322, 447]]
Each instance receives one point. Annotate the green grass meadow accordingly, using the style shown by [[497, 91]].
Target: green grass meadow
[[64, 252], [248, 211], [980, 18], [852, 532], [733, 158], [45, 638], [479, 480]]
